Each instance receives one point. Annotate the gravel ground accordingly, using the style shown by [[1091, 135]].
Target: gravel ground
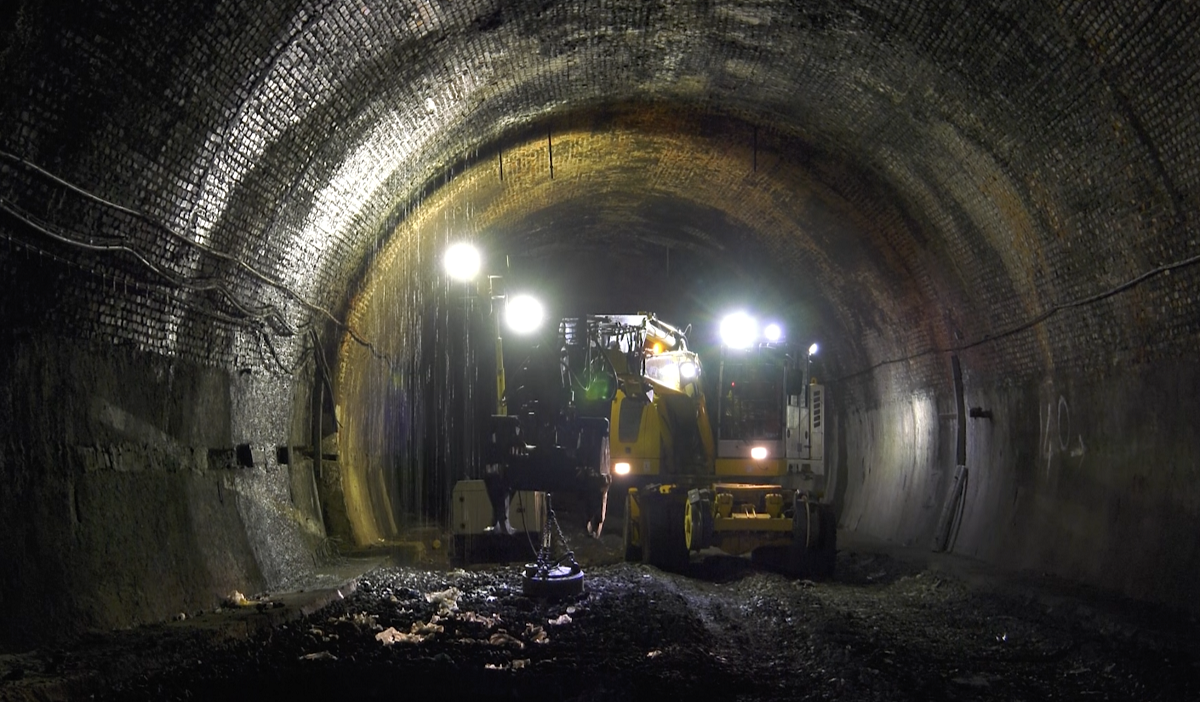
[[883, 629]]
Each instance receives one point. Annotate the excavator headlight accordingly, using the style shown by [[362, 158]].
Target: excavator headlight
[[688, 370], [773, 332], [758, 453], [621, 468]]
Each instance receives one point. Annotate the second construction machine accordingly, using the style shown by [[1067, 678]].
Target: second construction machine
[[631, 410]]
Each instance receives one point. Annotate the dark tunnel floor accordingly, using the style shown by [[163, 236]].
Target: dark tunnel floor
[[884, 629]]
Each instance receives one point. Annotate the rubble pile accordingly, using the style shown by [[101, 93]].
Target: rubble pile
[[881, 630]]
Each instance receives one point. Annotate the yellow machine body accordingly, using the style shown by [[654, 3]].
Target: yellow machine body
[[659, 423], [677, 467], [750, 468]]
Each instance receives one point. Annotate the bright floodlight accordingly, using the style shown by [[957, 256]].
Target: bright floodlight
[[773, 332], [462, 261], [688, 370], [812, 350], [758, 453], [621, 468], [524, 314], [739, 330]]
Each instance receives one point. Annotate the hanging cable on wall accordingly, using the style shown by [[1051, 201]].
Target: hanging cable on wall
[[1033, 322], [266, 311], [261, 330]]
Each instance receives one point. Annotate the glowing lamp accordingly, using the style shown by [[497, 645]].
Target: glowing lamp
[[758, 453], [524, 314], [739, 330], [621, 468], [462, 261]]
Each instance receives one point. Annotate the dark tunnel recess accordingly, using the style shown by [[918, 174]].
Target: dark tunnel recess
[[648, 208]]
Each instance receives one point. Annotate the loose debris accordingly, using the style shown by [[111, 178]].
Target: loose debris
[[237, 599], [361, 621], [503, 638], [417, 633], [535, 634], [518, 664], [473, 618], [447, 600], [881, 630]]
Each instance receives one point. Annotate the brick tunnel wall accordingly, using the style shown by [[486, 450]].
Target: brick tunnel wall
[[231, 172]]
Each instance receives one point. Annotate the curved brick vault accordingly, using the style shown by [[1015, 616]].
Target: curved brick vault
[[210, 210]]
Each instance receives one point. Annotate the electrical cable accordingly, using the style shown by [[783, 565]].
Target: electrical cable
[[285, 371], [326, 373], [267, 313], [524, 525], [246, 267], [149, 288], [1028, 324]]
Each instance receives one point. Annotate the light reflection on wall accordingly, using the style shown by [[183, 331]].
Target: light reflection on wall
[[402, 300], [894, 469]]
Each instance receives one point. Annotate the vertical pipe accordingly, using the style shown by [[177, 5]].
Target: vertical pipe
[[468, 466], [318, 408], [496, 292], [755, 157], [960, 453], [951, 508]]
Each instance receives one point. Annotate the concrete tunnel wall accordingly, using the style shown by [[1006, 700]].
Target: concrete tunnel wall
[[254, 191]]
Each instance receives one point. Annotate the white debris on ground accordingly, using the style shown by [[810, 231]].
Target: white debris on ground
[[236, 599], [447, 600], [419, 632], [503, 638], [475, 618], [360, 620], [742, 633], [391, 636], [518, 664], [536, 634]]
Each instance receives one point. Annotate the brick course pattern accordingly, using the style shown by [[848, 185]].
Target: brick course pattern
[[925, 174]]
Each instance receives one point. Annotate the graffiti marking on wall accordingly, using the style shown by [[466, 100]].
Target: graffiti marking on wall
[[1056, 433]]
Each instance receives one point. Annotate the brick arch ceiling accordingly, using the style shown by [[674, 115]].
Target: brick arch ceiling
[[939, 173]]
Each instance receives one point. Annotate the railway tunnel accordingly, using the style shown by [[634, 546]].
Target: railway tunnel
[[230, 349]]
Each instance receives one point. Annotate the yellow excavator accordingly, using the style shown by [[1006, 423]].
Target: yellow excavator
[[625, 405], [754, 485]]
